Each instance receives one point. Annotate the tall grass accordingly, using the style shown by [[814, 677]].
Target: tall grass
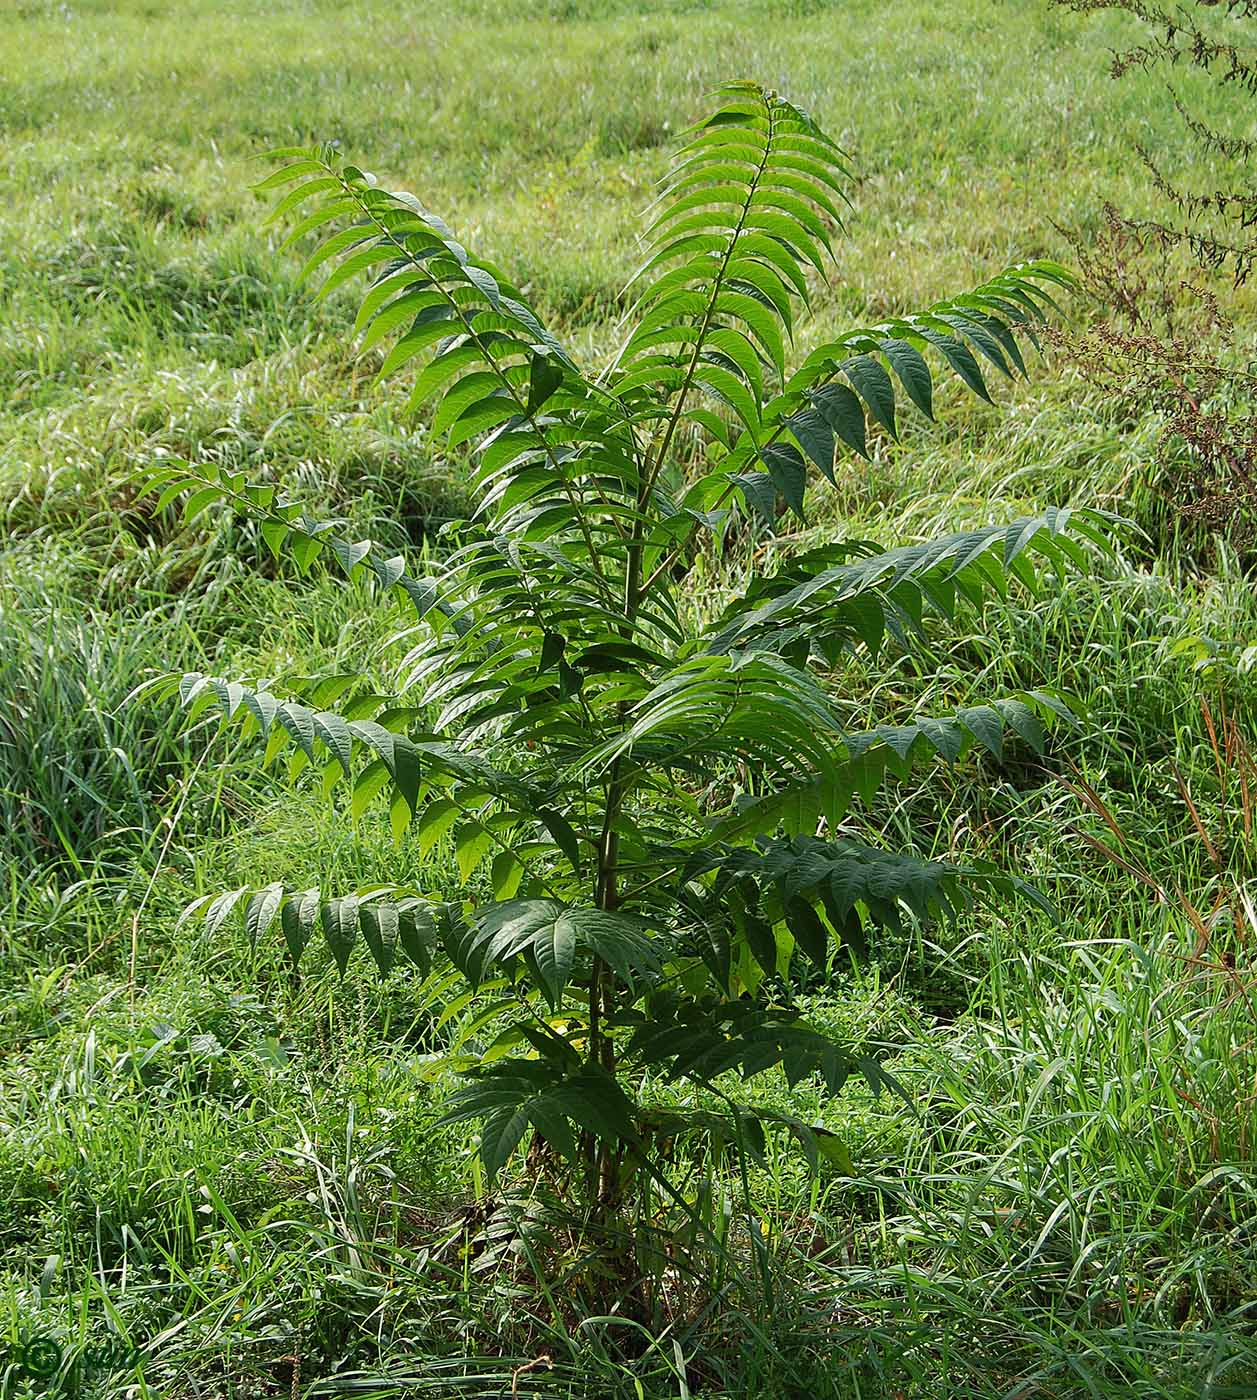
[[240, 1173]]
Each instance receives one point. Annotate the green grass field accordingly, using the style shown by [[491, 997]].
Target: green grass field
[[244, 1178]]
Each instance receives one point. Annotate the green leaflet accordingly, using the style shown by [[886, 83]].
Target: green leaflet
[[381, 926], [260, 912], [510, 1099], [551, 934], [298, 918], [339, 919], [472, 843]]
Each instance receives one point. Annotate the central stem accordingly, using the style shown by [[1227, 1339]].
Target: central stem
[[606, 890]]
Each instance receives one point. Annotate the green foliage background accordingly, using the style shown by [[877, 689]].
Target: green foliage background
[[230, 1175]]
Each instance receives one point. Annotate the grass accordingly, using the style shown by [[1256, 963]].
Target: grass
[[243, 1177]]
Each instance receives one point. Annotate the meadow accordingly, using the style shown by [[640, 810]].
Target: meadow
[[245, 1176]]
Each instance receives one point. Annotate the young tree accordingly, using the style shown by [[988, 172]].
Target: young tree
[[657, 804]]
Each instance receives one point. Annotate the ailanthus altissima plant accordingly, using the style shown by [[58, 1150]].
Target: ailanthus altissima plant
[[648, 812]]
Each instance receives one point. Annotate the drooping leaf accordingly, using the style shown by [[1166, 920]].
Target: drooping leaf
[[380, 932], [544, 379], [339, 918], [298, 918], [260, 912]]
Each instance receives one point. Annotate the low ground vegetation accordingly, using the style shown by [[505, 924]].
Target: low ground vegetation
[[247, 1176]]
